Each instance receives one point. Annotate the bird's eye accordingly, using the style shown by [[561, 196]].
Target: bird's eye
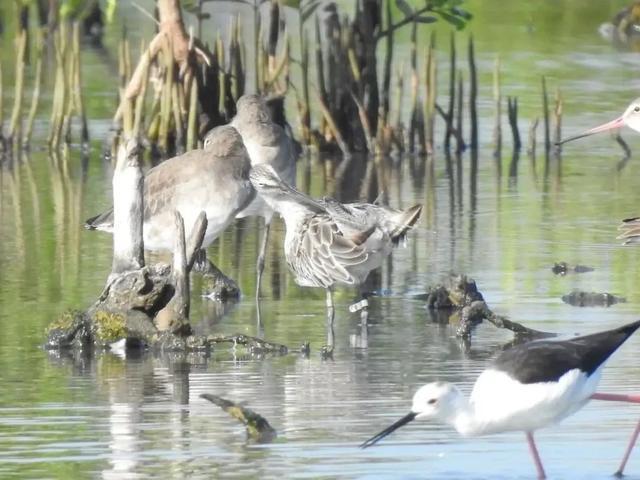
[[637, 109], [432, 401]]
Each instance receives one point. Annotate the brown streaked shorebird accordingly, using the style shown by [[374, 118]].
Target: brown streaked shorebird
[[214, 180], [630, 227], [328, 243], [267, 144]]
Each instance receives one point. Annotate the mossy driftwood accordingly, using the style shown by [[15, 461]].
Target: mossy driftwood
[[141, 305], [258, 428], [460, 301]]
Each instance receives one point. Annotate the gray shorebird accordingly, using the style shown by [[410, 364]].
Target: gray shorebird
[[214, 180], [267, 144], [328, 243]]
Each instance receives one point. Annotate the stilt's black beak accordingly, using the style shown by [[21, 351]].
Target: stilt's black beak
[[617, 123], [376, 438]]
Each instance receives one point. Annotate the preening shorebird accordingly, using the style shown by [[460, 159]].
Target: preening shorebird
[[328, 243]]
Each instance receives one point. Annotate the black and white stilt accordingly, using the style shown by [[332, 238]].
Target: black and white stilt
[[528, 387]]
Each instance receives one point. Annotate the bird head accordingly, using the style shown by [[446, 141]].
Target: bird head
[[224, 140], [129, 152], [630, 118], [437, 400], [252, 108]]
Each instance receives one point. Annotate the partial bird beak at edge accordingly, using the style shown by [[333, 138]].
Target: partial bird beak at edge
[[376, 438], [617, 123]]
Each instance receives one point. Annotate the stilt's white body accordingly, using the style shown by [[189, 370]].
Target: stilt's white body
[[499, 403]]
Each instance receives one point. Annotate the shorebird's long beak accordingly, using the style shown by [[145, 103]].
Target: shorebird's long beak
[[376, 438], [617, 123]]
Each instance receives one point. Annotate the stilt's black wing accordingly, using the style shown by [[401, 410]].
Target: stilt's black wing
[[547, 360]]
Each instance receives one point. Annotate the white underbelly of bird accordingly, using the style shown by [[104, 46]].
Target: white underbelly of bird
[[502, 404]]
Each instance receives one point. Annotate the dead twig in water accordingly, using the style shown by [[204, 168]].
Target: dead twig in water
[[258, 428], [478, 311]]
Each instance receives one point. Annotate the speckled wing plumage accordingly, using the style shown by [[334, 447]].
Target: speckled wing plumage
[[358, 217], [630, 231], [322, 255]]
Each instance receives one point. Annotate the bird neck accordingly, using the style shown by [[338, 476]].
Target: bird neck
[[461, 417], [292, 213]]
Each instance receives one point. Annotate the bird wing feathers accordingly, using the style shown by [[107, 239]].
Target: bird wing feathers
[[323, 255], [630, 231]]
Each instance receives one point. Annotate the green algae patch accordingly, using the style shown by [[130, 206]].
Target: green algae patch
[[65, 321], [108, 326]]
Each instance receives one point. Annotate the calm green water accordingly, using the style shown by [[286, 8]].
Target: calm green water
[[107, 417]]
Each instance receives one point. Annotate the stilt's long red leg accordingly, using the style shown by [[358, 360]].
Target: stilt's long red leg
[[628, 451], [615, 397], [535, 455]]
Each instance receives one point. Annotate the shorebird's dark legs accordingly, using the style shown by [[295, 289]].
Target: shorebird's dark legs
[[330, 316], [616, 397], [536, 456], [361, 306], [330, 307], [259, 323], [222, 287], [261, 255], [201, 263]]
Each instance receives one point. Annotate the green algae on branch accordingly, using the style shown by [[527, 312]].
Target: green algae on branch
[[258, 428], [108, 327], [65, 321]]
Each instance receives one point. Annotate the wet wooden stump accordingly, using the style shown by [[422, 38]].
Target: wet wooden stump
[[462, 303], [141, 305]]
